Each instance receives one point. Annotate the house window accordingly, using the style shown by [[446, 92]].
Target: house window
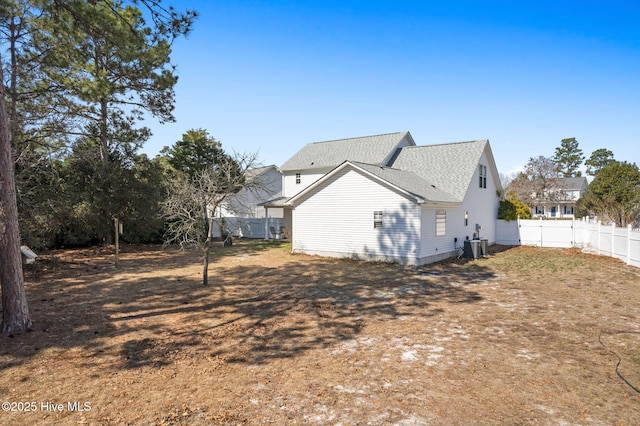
[[441, 222], [568, 209], [377, 219], [483, 176], [539, 209], [298, 179], [466, 218]]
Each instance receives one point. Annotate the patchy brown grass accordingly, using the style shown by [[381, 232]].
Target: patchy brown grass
[[527, 336]]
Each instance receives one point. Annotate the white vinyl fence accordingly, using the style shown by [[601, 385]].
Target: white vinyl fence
[[588, 234], [248, 227]]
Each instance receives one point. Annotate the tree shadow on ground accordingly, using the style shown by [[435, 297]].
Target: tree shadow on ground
[[154, 310]]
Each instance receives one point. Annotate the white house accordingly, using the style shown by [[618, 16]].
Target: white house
[[242, 213], [384, 198], [561, 201]]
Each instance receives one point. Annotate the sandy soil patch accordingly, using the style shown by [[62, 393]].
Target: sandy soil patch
[[527, 336]]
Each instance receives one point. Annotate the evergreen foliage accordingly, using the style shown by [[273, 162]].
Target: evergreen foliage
[[568, 156], [82, 75], [598, 160], [614, 193], [513, 209]]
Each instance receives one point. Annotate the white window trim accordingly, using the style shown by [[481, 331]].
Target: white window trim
[[441, 223], [483, 176], [378, 219]]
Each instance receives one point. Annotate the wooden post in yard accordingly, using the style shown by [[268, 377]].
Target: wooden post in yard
[[117, 229]]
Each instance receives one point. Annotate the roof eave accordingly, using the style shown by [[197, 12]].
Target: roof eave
[[345, 164], [445, 204]]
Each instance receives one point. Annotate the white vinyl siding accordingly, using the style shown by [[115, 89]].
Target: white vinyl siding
[[481, 208], [291, 188], [431, 244], [336, 219]]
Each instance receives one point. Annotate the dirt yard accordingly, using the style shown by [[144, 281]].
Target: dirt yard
[[527, 336]]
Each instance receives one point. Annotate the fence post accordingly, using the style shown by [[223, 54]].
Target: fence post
[[541, 231], [599, 236], [586, 236], [613, 238], [629, 244]]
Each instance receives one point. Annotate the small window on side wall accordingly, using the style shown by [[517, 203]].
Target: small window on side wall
[[377, 219], [298, 179]]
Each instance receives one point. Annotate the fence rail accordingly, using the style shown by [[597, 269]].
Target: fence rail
[[248, 227], [587, 233]]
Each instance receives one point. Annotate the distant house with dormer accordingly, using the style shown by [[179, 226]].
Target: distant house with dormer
[[560, 201]]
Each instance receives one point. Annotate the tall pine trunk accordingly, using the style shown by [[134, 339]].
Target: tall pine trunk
[[15, 311], [107, 182]]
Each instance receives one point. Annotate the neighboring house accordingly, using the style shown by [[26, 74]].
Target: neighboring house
[[560, 202], [243, 215], [384, 198]]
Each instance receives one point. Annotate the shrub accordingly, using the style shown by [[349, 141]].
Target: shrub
[[512, 209]]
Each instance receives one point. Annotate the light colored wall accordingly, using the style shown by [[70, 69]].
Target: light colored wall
[[338, 221], [434, 247], [244, 204], [482, 205], [307, 177]]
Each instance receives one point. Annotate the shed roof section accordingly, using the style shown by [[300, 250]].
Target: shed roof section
[[376, 150], [450, 167]]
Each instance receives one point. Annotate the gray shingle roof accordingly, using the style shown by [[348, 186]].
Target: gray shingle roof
[[409, 182], [369, 149], [573, 183], [449, 167]]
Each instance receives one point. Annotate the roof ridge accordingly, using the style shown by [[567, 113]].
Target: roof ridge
[[380, 166], [446, 143], [361, 137]]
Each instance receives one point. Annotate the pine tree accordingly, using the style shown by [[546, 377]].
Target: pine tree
[[615, 193], [569, 158], [56, 39], [598, 160]]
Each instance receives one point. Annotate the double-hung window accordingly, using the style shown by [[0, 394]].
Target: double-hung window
[[483, 176], [377, 219]]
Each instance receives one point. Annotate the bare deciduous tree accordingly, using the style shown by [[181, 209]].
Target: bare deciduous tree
[[539, 184], [194, 200]]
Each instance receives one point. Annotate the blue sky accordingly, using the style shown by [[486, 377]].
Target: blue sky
[[272, 76]]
